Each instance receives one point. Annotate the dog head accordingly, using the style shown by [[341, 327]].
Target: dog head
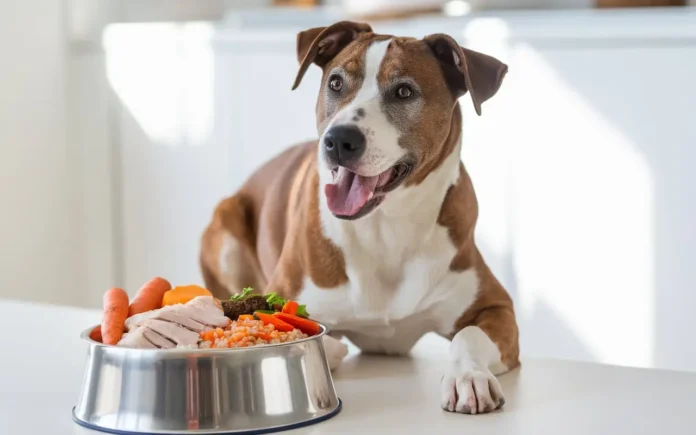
[[385, 107]]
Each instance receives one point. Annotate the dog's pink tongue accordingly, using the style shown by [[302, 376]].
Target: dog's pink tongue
[[349, 193]]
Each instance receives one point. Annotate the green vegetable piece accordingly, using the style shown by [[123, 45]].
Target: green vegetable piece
[[240, 297], [273, 299], [302, 311]]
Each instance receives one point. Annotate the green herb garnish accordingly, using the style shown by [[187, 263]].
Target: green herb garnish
[[273, 299], [302, 311], [240, 297]]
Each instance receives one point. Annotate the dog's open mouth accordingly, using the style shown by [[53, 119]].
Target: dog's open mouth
[[352, 196]]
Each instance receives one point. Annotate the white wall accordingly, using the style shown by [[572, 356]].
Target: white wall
[[38, 238], [582, 165]]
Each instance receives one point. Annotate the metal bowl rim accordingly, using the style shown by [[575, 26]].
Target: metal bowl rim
[[85, 336]]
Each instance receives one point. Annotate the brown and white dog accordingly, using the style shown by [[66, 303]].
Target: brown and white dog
[[372, 226]]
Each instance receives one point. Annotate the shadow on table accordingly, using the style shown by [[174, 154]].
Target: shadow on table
[[365, 366]]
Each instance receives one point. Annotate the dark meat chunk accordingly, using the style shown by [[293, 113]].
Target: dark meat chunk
[[233, 309]]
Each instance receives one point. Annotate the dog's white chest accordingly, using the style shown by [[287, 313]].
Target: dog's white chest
[[400, 285], [398, 265]]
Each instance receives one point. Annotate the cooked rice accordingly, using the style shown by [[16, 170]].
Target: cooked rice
[[247, 333]]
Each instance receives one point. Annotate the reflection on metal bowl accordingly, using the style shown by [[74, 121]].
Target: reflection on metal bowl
[[208, 390]]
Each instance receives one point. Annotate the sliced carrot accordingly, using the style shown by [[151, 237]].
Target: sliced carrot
[[290, 307], [115, 314], [245, 317], [183, 294], [270, 319], [307, 326], [149, 296]]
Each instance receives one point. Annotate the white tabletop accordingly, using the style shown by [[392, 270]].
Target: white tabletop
[[41, 365]]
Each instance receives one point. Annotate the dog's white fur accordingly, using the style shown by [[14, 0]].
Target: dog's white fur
[[397, 261], [382, 138], [229, 260]]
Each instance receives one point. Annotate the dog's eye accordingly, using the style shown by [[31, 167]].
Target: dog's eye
[[404, 91], [336, 83]]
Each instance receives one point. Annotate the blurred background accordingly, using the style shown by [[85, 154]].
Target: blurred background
[[124, 122]]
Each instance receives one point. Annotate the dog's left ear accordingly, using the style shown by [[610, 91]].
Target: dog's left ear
[[467, 70], [321, 44]]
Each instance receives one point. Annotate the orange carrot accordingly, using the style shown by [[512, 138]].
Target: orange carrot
[[290, 307], [115, 314], [149, 296], [307, 326], [96, 334], [183, 294], [269, 319], [245, 317]]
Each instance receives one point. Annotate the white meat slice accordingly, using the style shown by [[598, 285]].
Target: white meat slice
[[198, 313], [157, 339], [203, 309], [173, 325], [173, 332], [181, 319], [138, 319], [136, 339]]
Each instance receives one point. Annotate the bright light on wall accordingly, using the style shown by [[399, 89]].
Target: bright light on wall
[[456, 8], [583, 221], [163, 74], [566, 209]]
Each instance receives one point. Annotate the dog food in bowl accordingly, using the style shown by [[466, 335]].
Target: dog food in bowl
[[246, 333], [160, 317]]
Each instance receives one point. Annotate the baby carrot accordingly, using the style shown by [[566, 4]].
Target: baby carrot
[[95, 334], [307, 326], [245, 317], [149, 296], [115, 313], [269, 319], [290, 307]]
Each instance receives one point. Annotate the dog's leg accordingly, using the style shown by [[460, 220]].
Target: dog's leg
[[336, 350], [486, 345], [228, 256]]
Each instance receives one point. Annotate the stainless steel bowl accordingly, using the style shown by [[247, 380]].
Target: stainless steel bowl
[[207, 391]]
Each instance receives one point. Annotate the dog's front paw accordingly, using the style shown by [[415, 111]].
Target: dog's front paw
[[471, 391], [336, 350]]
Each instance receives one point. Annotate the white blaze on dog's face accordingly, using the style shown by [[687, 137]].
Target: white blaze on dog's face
[[384, 110], [362, 119]]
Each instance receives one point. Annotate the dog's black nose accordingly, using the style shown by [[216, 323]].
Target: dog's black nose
[[344, 143]]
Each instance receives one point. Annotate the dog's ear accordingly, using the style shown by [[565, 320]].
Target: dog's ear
[[467, 70], [321, 44]]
